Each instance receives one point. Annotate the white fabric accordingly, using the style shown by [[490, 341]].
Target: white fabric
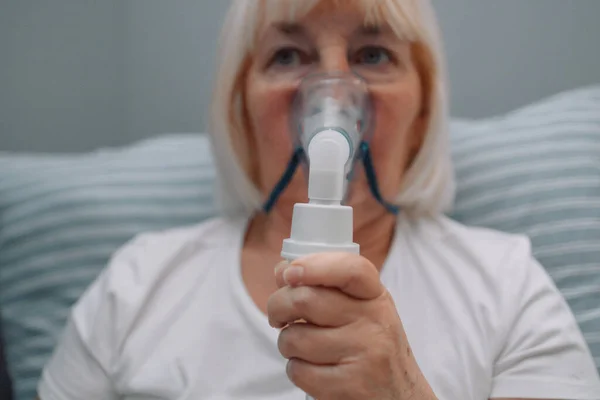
[[170, 318]]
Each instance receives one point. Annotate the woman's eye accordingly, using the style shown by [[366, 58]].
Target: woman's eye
[[373, 56], [287, 57]]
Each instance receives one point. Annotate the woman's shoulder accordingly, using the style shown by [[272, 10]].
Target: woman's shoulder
[[466, 266], [152, 272], [154, 265], [151, 255], [473, 250], [455, 235], [212, 233]]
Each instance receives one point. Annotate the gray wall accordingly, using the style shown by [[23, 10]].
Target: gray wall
[[80, 74], [170, 61], [61, 74], [507, 53]]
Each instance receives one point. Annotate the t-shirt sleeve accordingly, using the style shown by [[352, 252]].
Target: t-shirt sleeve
[[75, 371], [80, 367], [541, 353]]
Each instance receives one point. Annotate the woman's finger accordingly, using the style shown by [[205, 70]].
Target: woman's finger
[[314, 344], [350, 273], [319, 306], [322, 381], [279, 268]]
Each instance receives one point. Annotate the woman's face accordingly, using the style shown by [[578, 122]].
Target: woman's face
[[328, 41]]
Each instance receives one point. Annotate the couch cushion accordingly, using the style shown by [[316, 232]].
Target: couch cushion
[[5, 381], [537, 171]]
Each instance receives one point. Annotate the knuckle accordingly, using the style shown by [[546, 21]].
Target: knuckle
[[353, 275], [293, 372], [275, 301], [303, 299], [274, 309], [271, 305], [359, 267], [359, 273], [353, 261], [286, 344]]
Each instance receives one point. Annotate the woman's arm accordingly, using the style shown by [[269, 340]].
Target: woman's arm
[[78, 369], [81, 363]]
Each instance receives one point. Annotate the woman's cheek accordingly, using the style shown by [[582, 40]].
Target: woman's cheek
[[273, 144], [270, 109], [273, 134], [390, 145], [390, 135]]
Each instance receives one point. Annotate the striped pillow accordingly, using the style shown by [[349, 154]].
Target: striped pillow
[[61, 218], [537, 171]]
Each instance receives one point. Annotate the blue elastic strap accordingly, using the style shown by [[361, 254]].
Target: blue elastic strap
[[285, 180], [365, 155]]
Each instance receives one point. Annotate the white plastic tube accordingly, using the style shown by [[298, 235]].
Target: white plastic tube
[[323, 224], [328, 154]]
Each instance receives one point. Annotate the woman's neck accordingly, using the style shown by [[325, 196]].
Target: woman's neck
[[374, 233]]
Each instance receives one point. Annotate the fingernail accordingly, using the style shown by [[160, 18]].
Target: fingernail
[[280, 266], [293, 275]]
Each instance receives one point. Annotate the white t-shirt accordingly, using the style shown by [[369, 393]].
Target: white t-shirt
[[170, 318]]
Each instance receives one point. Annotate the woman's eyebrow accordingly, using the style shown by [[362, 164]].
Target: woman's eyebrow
[[382, 33], [370, 30], [373, 30], [290, 29]]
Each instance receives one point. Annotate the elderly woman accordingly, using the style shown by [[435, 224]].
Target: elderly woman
[[430, 309]]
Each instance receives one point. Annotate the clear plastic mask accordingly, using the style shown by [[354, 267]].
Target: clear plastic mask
[[332, 101], [339, 101]]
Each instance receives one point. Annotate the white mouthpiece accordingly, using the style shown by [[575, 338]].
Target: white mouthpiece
[[328, 153], [323, 225]]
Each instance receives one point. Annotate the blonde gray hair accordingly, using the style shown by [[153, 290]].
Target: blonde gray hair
[[428, 186]]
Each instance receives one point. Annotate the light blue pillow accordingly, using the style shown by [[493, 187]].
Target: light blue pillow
[[61, 218], [537, 171]]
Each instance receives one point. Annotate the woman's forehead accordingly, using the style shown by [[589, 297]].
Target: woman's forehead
[[368, 15], [351, 26]]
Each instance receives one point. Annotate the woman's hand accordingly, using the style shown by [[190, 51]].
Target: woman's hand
[[351, 343]]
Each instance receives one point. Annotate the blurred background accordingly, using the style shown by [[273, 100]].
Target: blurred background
[[76, 75]]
